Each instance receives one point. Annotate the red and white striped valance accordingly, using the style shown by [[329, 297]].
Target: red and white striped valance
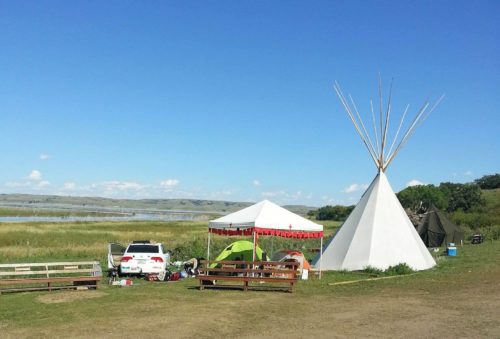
[[267, 231]]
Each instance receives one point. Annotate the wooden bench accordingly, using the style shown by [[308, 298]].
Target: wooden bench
[[247, 272], [49, 276]]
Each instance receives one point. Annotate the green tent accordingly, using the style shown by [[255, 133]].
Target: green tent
[[239, 250], [435, 229]]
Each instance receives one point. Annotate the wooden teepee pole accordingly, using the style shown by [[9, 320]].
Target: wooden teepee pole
[[387, 117], [378, 150], [353, 120]]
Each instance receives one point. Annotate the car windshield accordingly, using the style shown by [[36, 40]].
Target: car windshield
[[143, 249]]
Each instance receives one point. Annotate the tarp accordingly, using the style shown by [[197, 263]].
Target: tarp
[[240, 250], [436, 229], [266, 218], [285, 255]]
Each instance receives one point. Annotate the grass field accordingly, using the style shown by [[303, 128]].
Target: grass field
[[458, 298], [35, 241]]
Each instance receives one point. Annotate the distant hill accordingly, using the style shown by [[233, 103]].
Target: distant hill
[[210, 206]]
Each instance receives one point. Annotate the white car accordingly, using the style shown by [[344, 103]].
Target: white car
[[141, 257]]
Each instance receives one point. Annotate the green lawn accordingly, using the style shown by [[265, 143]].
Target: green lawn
[[458, 298]]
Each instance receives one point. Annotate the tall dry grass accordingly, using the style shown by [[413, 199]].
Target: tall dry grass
[[86, 240], [50, 241]]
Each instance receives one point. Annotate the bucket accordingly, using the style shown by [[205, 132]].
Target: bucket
[[451, 251]]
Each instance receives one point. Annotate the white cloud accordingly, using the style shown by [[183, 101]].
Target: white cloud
[[44, 156], [273, 194], [17, 184], [169, 183], [256, 183], [110, 189], [223, 193], [121, 186], [35, 175], [69, 186], [462, 174], [115, 189], [32, 181], [354, 188], [43, 183], [284, 197], [414, 182]]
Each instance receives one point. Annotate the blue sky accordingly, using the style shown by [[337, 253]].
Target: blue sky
[[233, 100]]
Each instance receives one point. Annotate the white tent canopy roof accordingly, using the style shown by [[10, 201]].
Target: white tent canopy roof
[[265, 215]]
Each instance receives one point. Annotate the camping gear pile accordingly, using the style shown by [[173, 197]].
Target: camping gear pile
[[185, 269]]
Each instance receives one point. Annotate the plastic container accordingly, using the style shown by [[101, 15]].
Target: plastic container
[[451, 251], [126, 282]]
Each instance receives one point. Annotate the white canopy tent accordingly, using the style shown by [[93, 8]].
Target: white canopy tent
[[265, 218]]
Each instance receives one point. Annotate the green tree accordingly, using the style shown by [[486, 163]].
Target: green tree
[[489, 181], [337, 212], [421, 197], [463, 197]]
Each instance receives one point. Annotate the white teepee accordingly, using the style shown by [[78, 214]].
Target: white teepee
[[378, 233]]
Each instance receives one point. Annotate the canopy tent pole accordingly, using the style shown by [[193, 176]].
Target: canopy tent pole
[[320, 255], [254, 250], [272, 247], [208, 246], [254, 244]]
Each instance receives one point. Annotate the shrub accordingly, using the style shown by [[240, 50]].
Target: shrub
[[373, 270], [399, 269], [197, 248], [472, 220]]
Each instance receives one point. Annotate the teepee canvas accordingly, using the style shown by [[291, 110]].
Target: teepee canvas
[[378, 232]]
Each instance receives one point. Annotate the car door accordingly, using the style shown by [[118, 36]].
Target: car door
[[115, 254]]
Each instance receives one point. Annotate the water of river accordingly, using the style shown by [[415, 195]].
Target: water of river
[[141, 216]]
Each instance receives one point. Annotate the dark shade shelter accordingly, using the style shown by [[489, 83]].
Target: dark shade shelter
[[435, 229]]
